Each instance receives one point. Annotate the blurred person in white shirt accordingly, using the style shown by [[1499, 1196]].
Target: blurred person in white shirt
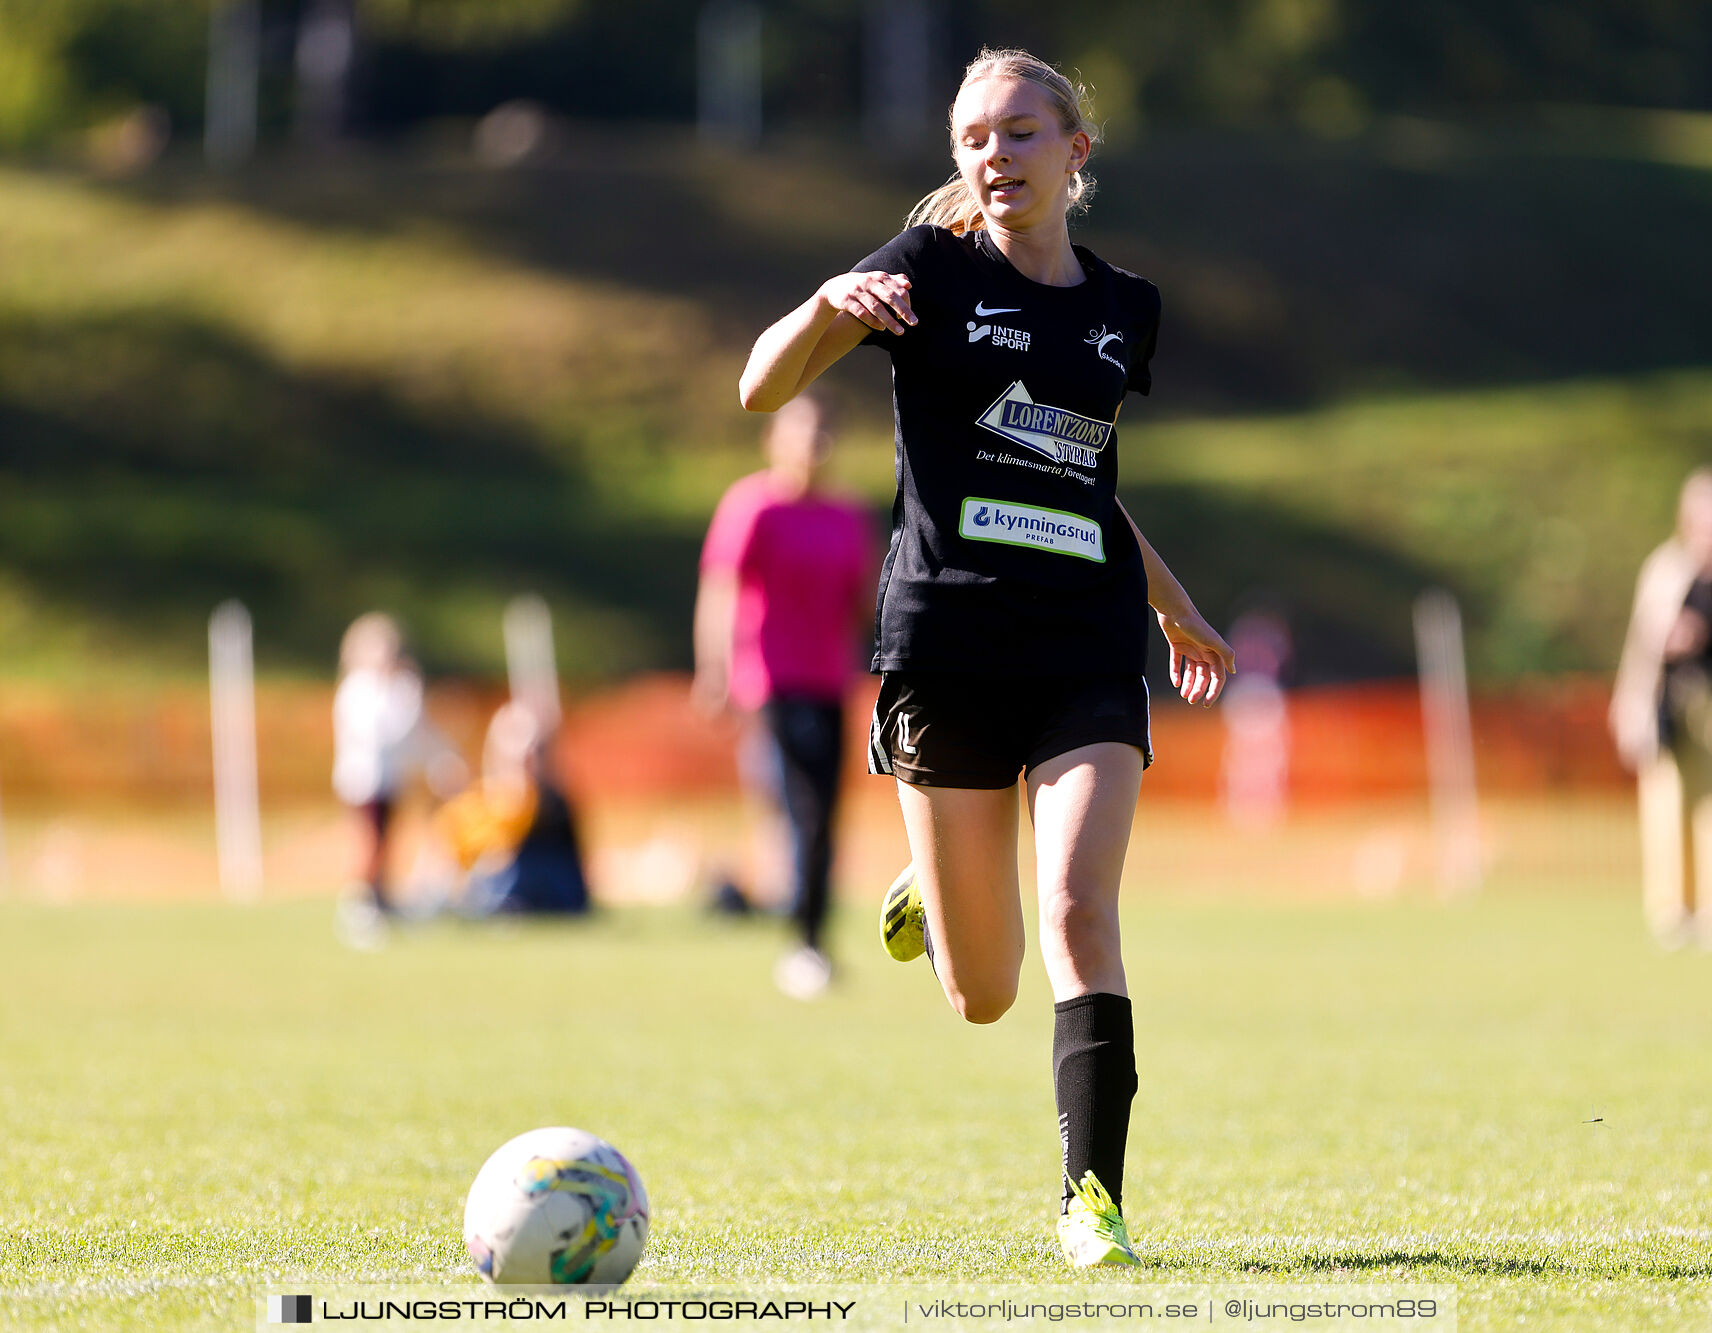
[[381, 738]]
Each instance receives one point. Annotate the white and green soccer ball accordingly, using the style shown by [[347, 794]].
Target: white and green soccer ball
[[556, 1205]]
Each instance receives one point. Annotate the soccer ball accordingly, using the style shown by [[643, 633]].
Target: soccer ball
[[553, 1206]]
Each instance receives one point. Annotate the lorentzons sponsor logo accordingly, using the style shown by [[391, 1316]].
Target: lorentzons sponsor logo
[[1025, 525], [1061, 435]]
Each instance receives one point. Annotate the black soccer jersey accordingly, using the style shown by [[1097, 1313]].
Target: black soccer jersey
[[1008, 550]]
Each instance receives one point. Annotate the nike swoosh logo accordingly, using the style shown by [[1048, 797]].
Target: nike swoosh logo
[[981, 311]]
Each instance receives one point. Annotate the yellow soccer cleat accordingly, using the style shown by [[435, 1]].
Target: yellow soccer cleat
[[903, 923], [1092, 1231]]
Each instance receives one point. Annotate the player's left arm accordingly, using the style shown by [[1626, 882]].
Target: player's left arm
[[1201, 661], [713, 629]]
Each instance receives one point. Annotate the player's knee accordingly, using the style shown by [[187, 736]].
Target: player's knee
[[986, 1003], [1077, 921]]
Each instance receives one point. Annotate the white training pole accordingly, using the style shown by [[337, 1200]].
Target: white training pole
[[234, 58], [728, 72], [326, 50], [1450, 740], [529, 661], [237, 804], [897, 72]]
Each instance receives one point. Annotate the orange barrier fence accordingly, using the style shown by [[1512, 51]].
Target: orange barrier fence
[[150, 747], [1356, 742]]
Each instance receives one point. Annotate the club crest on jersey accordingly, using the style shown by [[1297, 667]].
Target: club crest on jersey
[[1062, 436], [1098, 338]]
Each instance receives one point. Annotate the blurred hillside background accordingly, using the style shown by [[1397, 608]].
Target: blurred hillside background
[[1434, 273]]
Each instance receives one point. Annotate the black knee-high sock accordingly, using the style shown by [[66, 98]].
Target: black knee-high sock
[[1093, 1074]]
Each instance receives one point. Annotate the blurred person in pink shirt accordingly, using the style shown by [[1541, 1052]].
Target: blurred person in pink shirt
[[780, 629]]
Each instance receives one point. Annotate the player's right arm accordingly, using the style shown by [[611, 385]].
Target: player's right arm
[[797, 350]]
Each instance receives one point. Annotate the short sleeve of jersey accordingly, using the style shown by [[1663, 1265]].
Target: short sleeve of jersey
[[1143, 299], [732, 531], [910, 253]]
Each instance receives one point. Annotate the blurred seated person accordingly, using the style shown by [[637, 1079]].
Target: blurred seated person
[[511, 833]]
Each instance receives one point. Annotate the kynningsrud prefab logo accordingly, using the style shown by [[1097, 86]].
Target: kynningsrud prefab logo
[[1026, 525], [1061, 435], [291, 1309]]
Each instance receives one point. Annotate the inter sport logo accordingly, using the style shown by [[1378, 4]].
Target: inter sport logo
[[1063, 436], [1028, 525], [1017, 339]]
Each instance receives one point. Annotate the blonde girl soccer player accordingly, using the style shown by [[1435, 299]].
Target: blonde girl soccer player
[[1012, 611]]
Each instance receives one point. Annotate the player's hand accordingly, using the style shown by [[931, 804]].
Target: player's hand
[[1201, 661], [879, 300]]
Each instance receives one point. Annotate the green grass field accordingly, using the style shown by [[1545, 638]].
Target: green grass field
[[200, 1099]]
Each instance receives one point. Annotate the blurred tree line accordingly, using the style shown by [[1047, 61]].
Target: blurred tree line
[[1324, 64]]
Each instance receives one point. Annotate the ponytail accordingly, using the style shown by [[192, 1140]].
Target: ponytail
[[951, 206]]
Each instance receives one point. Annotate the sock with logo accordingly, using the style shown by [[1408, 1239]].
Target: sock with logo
[[1093, 1075]]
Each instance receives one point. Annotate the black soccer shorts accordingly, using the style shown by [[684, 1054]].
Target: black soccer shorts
[[954, 729]]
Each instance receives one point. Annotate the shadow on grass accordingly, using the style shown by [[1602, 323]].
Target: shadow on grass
[[1348, 602], [157, 465], [1294, 271]]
